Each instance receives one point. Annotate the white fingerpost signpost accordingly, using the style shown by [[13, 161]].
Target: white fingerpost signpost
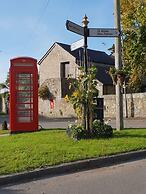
[[100, 32]]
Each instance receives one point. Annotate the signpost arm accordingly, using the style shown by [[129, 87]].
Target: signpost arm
[[118, 65]]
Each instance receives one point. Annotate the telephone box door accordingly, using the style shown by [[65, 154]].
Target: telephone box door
[[23, 95]]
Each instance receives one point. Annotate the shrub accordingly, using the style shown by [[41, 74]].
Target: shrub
[[76, 131], [4, 125], [100, 130]]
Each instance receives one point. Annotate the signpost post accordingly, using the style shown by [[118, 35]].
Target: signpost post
[[98, 32], [86, 108]]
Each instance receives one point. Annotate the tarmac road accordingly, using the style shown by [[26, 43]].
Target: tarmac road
[[45, 122], [119, 179], [130, 123], [63, 122]]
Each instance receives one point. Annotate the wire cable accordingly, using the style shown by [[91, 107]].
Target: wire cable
[[31, 36]]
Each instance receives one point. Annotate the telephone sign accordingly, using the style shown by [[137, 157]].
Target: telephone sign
[[23, 94]]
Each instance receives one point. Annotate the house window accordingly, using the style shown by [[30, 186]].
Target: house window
[[108, 89], [64, 72], [64, 69]]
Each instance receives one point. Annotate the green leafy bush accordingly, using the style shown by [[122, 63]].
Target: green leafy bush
[[76, 131], [4, 125], [100, 130]]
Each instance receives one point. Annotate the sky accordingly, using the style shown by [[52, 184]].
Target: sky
[[30, 27]]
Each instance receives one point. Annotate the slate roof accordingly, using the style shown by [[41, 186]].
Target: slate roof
[[97, 57], [94, 56], [103, 76]]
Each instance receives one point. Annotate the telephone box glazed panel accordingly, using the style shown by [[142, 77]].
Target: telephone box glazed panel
[[23, 94]]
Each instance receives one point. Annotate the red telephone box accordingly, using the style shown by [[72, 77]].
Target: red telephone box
[[23, 94]]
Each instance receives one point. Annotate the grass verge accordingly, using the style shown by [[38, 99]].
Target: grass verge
[[21, 152]]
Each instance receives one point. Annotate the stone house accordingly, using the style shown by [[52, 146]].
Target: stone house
[[59, 62]]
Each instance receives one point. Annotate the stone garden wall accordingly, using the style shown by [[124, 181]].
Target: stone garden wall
[[136, 106]]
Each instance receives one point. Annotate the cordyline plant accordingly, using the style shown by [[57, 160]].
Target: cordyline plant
[[84, 91]]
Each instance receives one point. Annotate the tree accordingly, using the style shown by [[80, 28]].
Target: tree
[[6, 83], [133, 20], [2, 85], [4, 95]]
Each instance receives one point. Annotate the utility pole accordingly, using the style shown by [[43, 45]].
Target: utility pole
[[118, 65]]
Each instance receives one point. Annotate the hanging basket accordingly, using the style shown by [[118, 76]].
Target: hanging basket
[[117, 75], [121, 78], [44, 93], [114, 79]]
